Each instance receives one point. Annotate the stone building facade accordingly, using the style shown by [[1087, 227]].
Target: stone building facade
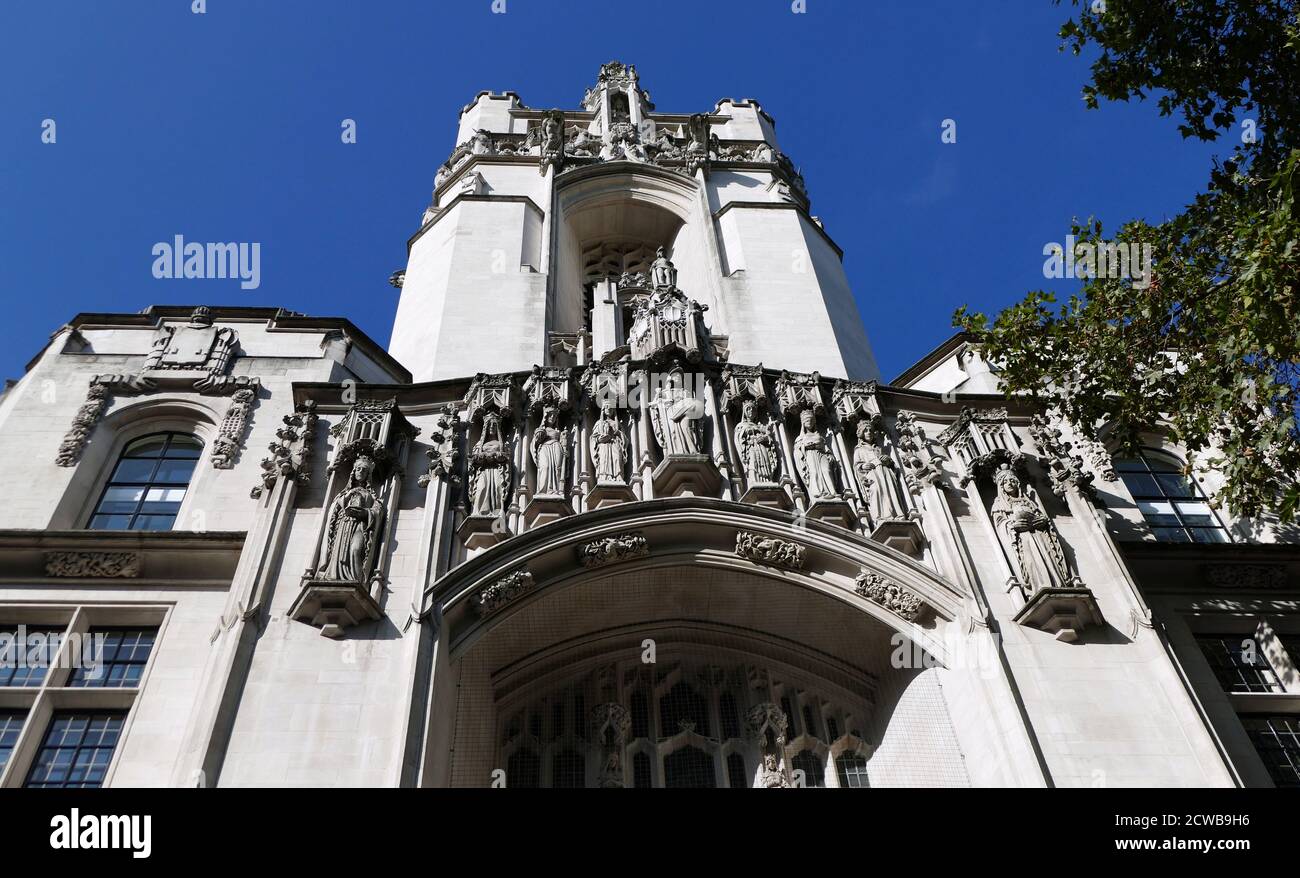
[[625, 504]]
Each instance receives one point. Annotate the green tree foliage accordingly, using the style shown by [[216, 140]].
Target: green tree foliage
[[1209, 351]]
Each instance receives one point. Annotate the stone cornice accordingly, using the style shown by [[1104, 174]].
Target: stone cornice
[[122, 559], [274, 319], [502, 199], [772, 205]]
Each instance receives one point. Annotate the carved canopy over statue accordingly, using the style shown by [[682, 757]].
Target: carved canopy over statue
[[1028, 535], [354, 521]]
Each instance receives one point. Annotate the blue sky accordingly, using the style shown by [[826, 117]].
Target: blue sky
[[225, 127]]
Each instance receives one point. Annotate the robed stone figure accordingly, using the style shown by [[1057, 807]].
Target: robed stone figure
[[756, 446], [816, 465], [1028, 535], [877, 474], [608, 448], [354, 521], [675, 414], [489, 469], [550, 455]]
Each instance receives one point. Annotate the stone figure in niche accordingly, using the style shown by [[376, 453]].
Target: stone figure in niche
[[758, 453], [882, 486], [549, 454], [608, 448], [663, 274], [1028, 535], [552, 133], [619, 108], [489, 469], [675, 414], [772, 777], [354, 521], [816, 465]]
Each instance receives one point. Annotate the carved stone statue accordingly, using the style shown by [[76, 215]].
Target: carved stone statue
[[676, 414], [771, 776], [550, 454], [1028, 535], [663, 274], [354, 521], [882, 486], [489, 478], [816, 465], [608, 448], [757, 447]]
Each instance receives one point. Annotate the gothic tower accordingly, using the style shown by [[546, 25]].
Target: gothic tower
[[541, 220]]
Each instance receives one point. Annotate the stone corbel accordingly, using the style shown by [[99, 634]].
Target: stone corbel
[[890, 595], [770, 550]]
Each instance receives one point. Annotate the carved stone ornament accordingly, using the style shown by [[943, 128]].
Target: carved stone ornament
[[509, 588], [771, 776], [1245, 576], [1064, 469], [195, 356], [230, 437], [769, 550], [764, 718], [919, 466], [855, 401], [445, 453], [93, 565], [548, 387], [291, 452], [890, 595], [611, 724], [981, 441], [676, 414], [612, 550], [796, 393], [667, 322], [741, 384]]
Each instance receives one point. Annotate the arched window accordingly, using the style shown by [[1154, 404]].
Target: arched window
[[149, 483], [524, 770], [814, 773], [736, 776], [689, 767], [640, 714], [1173, 504], [852, 770]]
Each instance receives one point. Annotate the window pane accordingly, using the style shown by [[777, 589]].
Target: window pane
[[11, 723], [1160, 514], [1238, 662], [77, 749], [110, 522], [1277, 740], [1141, 484], [1175, 485], [1129, 465], [154, 522], [184, 446], [1197, 514], [1171, 535], [1209, 535], [133, 469], [174, 472], [149, 446], [115, 658], [26, 654]]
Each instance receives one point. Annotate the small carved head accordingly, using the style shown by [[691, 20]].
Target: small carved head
[[202, 316], [1007, 481], [808, 420], [607, 412], [550, 416], [362, 470]]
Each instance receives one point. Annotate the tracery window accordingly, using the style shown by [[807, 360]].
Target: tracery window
[[681, 723], [852, 770], [148, 484]]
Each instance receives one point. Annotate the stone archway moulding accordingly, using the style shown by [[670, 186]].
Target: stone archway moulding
[[701, 532]]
